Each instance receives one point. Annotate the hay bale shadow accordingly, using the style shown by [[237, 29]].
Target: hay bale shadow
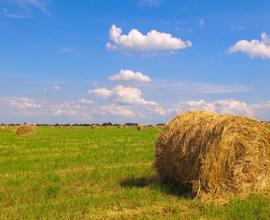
[[153, 182]]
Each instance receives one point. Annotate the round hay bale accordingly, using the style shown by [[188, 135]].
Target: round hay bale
[[26, 130], [214, 155], [140, 127]]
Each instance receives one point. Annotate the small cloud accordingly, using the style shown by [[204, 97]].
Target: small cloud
[[237, 28], [153, 41], [56, 88], [84, 101], [253, 48], [149, 3], [202, 23], [187, 87], [129, 96], [66, 50], [129, 75], [117, 111], [9, 14], [227, 106], [101, 92], [34, 4], [22, 102]]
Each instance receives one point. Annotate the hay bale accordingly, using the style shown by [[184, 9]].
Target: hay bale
[[26, 130], [214, 155], [140, 127]]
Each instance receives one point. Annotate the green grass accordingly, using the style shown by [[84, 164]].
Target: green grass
[[83, 173]]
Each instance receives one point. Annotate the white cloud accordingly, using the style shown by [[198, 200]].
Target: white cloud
[[149, 2], [130, 96], [84, 101], [202, 23], [129, 75], [253, 48], [12, 15], [117, 111], [66, 50], [101, 92], [151, 42], [21, 102], [227, 106], [187, 87], [127, 103], [56, 88], [38, 4]]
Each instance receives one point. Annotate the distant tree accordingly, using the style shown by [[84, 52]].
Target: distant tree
[[160, 124], [107, 124], [131, 124]]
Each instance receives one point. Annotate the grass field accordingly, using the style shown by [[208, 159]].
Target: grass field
[[107, 173]]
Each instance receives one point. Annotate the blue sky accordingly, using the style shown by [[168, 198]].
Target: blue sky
[[132, 60]]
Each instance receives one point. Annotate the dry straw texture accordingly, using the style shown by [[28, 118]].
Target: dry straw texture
[[267, 124], [215, 155], [26, 130]]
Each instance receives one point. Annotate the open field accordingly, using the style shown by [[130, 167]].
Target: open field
[[106, 173]]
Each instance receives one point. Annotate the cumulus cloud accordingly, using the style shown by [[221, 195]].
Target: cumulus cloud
[[81, 108], [129, 95], [126, 103], [253, 48], [117, 111], [129, 75], [151, 42], [101, 92], [227, 106], [21, 102]]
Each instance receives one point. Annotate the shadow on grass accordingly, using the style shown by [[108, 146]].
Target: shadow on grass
[[152, 181]]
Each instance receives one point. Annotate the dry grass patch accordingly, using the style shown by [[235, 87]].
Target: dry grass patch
[[214, 154]]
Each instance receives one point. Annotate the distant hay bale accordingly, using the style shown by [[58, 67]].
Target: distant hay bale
[[93, 126], [214, 155], [2, 128], [140, 127], [26, 130]]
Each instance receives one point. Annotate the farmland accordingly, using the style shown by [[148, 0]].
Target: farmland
[[100, 173]]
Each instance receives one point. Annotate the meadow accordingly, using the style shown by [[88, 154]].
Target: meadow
[[100, 173]]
